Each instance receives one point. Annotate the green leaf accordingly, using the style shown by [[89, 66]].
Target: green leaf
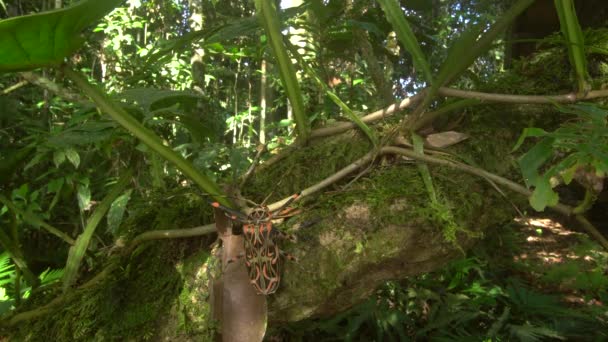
[[285, 122], [73, 157], [58, 158], [574, 37], [84, 196], [529, 333], [7, 269], [77, 251], [467, 47], [46, 39], [87, 133], [267, 14], [11, 160], [532, 160], [148, 97], [34, 220], [568, 174], [323, 85], [148, 137], [55, 184], [424, 169], [528, 132], [543, 195], [117, 211], [50, 276], [353, 117], [16, 255], [212, 37]]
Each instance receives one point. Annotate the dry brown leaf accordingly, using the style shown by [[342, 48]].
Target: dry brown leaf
[[445, 139]]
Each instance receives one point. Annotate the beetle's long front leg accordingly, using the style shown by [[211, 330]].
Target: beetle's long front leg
[[288, 256], [285, 236]]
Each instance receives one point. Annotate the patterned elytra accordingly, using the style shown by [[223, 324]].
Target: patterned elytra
[[262, 253]]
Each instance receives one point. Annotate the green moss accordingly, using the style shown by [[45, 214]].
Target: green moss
[[143, 292], [307, 165], [122, 308], [194, 311]]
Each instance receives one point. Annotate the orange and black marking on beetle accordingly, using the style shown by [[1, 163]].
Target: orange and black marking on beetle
[[262, 253]]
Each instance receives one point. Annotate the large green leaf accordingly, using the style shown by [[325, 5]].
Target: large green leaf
[[45, 39], [269, 18], [571, 29], [406, 36], [532, 160], [543, 195], [474, 42]]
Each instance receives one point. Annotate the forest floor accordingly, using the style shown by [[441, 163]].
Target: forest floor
[[556, 258]]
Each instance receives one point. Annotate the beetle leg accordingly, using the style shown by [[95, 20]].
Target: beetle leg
[[288, 256]]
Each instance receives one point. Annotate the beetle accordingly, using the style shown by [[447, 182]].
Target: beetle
[[262, 253]]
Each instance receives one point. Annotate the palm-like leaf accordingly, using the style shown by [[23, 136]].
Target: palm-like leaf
[[270, 21], [574, 39]]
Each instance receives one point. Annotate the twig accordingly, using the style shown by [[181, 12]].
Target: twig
[[522, 99], [170, 234], [53, 87], [260, 148], [13, 87], [345, 126]]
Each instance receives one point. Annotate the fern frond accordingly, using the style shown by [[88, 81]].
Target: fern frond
[[531, 333], [50, 276], [7, 269]]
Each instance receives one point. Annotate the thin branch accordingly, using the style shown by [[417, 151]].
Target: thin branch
[[345, 126], [54, 88], [522, 99], [13, 87], [450, 92], [375, 116], [171, 234], [260, 148]]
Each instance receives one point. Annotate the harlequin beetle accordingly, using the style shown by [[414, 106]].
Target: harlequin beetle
[[262, 253]]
